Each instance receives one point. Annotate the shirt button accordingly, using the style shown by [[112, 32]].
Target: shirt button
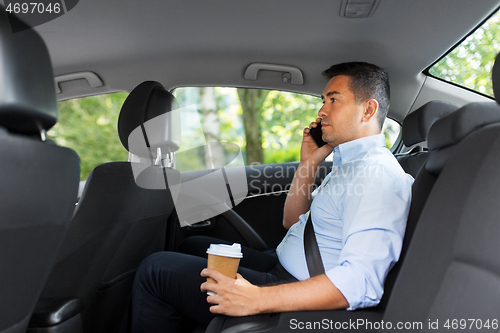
[[335, 169], [344, 160]]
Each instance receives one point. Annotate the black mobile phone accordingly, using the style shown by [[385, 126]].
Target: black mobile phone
[[316, 134]]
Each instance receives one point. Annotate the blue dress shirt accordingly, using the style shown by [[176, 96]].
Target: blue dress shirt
[[359, 216]]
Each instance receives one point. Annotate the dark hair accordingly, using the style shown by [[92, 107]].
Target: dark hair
[[367, 81]]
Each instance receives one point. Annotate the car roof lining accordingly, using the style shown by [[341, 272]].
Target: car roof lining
[[185, 43]]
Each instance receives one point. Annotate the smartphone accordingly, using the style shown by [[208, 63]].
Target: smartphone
[[316, 134]]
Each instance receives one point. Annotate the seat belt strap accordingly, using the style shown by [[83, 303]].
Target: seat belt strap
[[311, 250]]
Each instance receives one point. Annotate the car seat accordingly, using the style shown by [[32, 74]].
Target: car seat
[[38, 179], [117, 223]]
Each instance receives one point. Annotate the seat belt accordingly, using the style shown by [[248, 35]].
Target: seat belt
[[311, 250]]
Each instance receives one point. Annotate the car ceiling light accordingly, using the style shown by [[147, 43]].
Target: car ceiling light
[[358, 8], [291, 74]]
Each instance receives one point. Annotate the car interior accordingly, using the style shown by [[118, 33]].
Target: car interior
[[70, 247]]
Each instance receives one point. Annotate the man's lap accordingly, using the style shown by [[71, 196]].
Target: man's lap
[[169, 282]]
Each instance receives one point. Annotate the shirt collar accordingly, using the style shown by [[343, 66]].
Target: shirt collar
[[346, 152]]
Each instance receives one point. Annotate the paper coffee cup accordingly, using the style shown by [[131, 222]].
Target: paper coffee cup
[[225, 259]]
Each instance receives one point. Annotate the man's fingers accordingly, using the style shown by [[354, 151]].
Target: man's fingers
[[215, 275], [205, 285], [312, 125], [216, 309], [212, 299], [212, 287], [212, 273]]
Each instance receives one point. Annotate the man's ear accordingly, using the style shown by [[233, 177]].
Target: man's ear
[[371, 107]]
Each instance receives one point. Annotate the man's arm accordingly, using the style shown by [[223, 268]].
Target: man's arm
[[299, 198], [238, 297]]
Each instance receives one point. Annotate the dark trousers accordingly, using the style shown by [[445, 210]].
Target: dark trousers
[[166, 294]]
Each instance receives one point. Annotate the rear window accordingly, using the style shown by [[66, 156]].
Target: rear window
[[470, 63]]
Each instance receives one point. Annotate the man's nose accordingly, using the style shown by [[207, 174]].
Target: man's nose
[[322, 111]]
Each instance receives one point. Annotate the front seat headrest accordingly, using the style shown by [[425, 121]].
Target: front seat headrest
[[417, 124], [148, 101], [28, 101]]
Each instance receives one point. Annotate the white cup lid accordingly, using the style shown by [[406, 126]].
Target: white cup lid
[[233, 251]]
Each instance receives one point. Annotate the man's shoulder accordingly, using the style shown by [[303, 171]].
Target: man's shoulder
[[379, 156], [380, 161]]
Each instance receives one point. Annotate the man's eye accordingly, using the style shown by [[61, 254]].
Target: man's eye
[[333, 100]]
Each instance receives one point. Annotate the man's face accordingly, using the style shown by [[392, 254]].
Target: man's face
[[341, 115]]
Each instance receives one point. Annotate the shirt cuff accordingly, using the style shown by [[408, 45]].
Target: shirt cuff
[[352, 284]]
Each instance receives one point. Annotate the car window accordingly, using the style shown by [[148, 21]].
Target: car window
[[88, 126], [267, 125], [391, 130], [469, 64]]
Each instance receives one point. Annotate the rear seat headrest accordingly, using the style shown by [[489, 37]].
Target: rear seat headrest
[[416, 125], [450, 130], [147, 101], [454, 127], [28, 101]]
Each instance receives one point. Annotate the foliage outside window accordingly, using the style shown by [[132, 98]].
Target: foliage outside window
[[266, 124], [88, 126], [470, 63]]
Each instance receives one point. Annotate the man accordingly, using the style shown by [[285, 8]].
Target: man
[[359, 216]]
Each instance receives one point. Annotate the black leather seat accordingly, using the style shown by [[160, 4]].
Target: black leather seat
[[451, 266], [38, 179], [116, 224], [451, 269], [415, 130]]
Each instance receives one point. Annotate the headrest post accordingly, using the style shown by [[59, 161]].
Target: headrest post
[[157, 160], [170, 163], [43, 135]]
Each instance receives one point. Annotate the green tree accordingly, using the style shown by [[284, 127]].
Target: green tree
[[251, 101], [88, 126], [285, 116], [470, 64]]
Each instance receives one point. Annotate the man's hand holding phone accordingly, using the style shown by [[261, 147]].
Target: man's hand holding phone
[[298, 200], [313, 147], [317, 134]]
